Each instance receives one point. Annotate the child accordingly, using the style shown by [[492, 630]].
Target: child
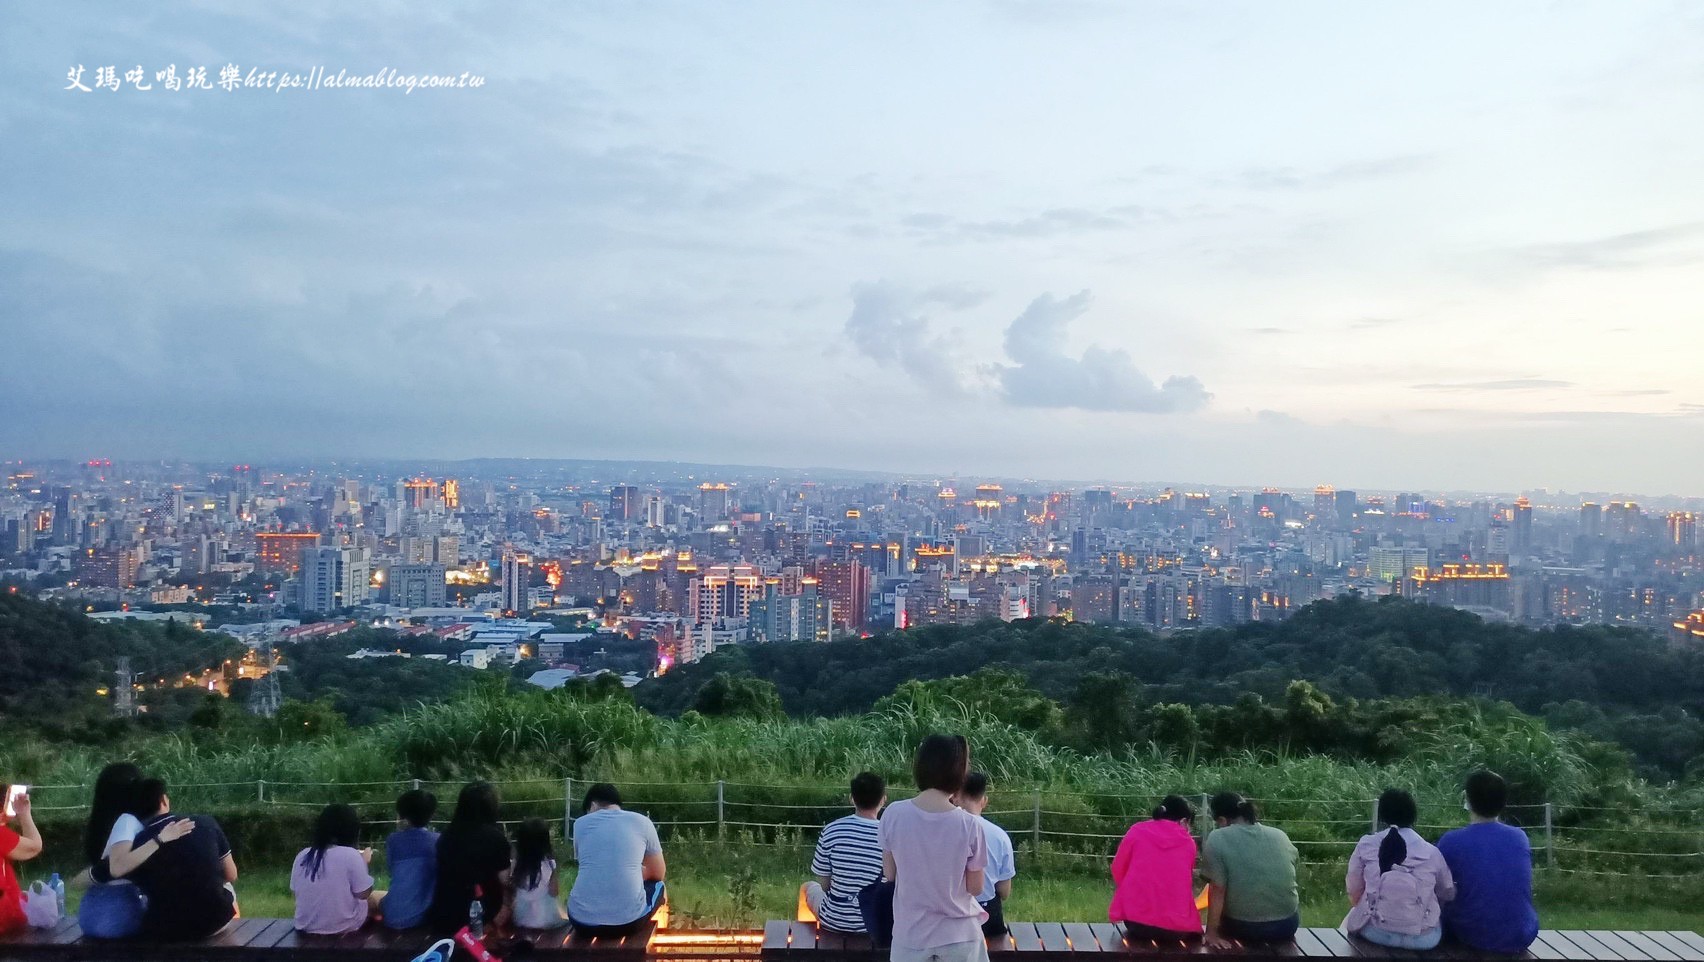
[[411, 853], [536, 905], [334, 890]]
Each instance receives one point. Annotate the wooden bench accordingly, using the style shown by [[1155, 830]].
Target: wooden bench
[[785, 941], [276, 940]]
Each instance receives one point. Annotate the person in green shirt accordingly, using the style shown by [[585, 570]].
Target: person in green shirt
[[1251, 877]]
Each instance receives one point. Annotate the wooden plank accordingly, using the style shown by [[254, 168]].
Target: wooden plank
[[1341, 947], [830, 940], [239, 935], [1053, 938], [1561, 943], [1620, 946], [410, 943], [1110, 937], [1643, 943], [1002, 944], [1024, 936], [270, 936], [1594, 949], [1681, 947], [804, 936], [1082, 937], [1544, 951], [1311, 947], [1691, 939], [775, 932]]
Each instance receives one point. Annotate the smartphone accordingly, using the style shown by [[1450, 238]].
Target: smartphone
[[12, 794]]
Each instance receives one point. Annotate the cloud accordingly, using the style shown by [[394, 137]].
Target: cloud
[[1510, 384], [1053, 222], [1101, 379], [1371, 323], [889, 326], [1661, 246], [1269, 330], [1292, 178]]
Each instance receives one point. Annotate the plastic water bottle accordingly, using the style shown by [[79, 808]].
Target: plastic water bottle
[[58, 886], [476, 920]]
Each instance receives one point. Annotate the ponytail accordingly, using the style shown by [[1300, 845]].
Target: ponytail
[[1174, 809], [1393, 851]]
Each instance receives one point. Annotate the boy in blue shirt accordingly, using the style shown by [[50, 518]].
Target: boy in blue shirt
[[411, 853], [1492, 866]]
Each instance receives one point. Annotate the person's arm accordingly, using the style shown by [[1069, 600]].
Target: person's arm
[[361, 876], [1216, 911], [1121, 861], [890, 871], [1445, 886], [29, 838], [555, 887], [1355, 877], [229, 864], [1003, 889], [976, 865], [127, 857], [653, 869]]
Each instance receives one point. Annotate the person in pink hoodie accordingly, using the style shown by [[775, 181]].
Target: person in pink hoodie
[[1153, 876]]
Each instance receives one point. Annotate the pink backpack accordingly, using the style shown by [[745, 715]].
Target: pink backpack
[[1399, 905]]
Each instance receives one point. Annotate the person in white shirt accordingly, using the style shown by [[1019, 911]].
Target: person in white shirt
[[1002, 861]]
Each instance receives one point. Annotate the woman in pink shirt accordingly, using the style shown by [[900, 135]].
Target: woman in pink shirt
[[934, 853], [1398, 881], [1153, 876]]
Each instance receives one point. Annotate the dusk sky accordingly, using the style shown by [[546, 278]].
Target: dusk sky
[[1441, 245]]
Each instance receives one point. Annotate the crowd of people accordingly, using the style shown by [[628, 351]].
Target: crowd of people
[[928, 875]]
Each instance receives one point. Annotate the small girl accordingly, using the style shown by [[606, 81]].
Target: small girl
[[331, 878], [536, 904]]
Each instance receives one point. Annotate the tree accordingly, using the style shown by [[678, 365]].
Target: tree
[[738, 696], [1000, 692]]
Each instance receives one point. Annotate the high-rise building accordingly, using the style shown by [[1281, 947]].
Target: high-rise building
[[517, 578], [417, 585], [1393, 563], [656, 511], [109, 567], [283, 550], [1591, 520], [1683, 531], [333, 578], [848, 584], [805, 616], [624, 504], [723, 592], [1521, 540], [1344, 501], [713, 503]]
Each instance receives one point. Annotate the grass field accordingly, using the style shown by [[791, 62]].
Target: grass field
[[741, 885]]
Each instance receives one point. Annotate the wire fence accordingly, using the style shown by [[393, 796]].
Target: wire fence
[[1045, 824]]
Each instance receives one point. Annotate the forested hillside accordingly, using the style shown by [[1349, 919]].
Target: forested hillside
[[1616, 684]]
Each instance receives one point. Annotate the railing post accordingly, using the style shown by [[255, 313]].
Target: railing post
[[415, 784], [1549, 839], [1375, 828], [568, 808], [1205, 816], [1035, 825], [260, 790], [721, 803]]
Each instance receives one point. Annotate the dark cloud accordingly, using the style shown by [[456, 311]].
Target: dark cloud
[[1509, 384], [1043, 375]]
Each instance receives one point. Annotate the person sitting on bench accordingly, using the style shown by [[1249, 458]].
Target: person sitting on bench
[[411, 855], [1153, 876], [620, 883], [1002, 863], [1492, 867], [15, 846], [188, 883], [848, 857], [332, 879], [1251, 877], [473, 863], [1397, 881]]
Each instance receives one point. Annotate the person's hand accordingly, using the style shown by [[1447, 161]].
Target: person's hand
[[367, 855], [176, 830], [21, 806], [1218, 942]]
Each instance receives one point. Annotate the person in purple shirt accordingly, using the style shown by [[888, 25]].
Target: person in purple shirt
[[1492, 867], [935, 853]]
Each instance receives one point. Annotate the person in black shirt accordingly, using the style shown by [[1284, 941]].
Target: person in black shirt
[[188, 883], [473, 855]]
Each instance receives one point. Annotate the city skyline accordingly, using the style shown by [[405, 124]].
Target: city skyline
[[1442, 249]]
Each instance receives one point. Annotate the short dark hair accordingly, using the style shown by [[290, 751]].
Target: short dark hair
[[416, 807], [868, 790], [1487, 793], [975, 786], [1231, 806], [941, 763], [150, 795], [603, 793]]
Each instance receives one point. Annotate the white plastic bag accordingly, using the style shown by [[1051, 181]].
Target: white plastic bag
[[41, 906]]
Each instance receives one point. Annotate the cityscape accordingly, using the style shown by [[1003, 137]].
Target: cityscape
[[692, 559]]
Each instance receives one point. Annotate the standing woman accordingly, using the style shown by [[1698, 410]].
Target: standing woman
[[1153, 876], [473, 862], [1398, 881], [1251, 877], [935, 854], [112, 907]]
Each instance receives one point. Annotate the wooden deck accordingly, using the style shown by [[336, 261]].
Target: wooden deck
[[785, 941], [276, 940]]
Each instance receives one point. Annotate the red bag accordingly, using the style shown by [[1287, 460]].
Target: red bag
[[475, 948]]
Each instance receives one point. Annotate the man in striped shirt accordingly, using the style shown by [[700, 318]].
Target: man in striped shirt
[[848, 857]]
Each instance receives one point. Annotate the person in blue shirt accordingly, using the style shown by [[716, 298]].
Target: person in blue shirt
[[411, 854], [1492, 866]]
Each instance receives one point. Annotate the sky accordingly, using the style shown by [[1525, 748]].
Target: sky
[[1445, 245]]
